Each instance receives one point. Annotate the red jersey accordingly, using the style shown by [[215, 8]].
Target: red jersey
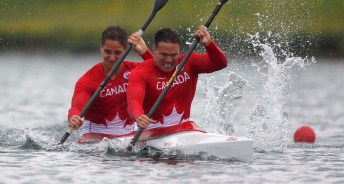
[[111, 104], [147, 82]]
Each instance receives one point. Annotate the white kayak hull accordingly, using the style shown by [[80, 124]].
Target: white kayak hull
[[221, 146]]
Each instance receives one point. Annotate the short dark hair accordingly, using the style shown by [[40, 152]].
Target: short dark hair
[[115, 33], [166, 35]]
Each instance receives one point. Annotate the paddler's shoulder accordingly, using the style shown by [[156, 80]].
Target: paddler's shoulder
[[130, 65], [144, 68], [146, 65], [95, 70]]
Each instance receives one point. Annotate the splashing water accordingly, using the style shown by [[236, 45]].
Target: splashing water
[[269, 119], [221, 101]]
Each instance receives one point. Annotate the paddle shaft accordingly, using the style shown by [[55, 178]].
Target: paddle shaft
[[175, 74], [158, 4]]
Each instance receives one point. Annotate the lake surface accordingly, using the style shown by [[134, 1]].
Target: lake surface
[[266, 102]]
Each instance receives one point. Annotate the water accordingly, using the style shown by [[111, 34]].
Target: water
[[35, 93]]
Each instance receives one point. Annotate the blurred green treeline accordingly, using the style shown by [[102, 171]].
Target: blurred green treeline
[[308, 26]]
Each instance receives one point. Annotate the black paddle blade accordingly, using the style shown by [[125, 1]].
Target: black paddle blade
[[223, 1], [158, 4]]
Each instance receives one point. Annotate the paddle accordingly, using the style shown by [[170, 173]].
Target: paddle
[[158, 4], [175, 74]]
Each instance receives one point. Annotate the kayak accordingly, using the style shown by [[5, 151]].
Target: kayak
[[193, 142], [189, 139]]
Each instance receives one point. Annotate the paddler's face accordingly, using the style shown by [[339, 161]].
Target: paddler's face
[[166, 56], [111, 51]]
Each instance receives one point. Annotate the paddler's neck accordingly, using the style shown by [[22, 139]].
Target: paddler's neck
[[108, 69]]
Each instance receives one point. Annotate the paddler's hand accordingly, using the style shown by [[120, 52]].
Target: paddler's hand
[[75, 122], [203, 35], [143, 121], [138, 43]]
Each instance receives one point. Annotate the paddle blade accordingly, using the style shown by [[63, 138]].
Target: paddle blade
[[158, 4], [223, 1]]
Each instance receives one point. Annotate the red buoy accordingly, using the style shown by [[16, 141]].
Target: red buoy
[[304, 134]]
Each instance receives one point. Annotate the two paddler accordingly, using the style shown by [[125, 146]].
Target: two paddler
[[128, 98]]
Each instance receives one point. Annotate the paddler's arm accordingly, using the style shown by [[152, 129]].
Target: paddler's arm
[[79, 100], [136, 92], [140, 46], [214, 60]]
